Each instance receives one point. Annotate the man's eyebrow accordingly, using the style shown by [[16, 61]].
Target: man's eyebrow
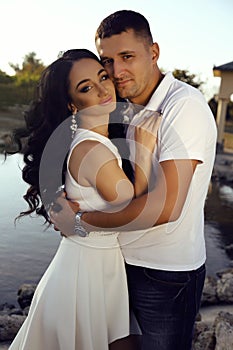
[[104, 58], [126, 52], [88, 79], [122, 53]]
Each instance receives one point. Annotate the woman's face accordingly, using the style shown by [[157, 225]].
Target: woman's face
[[90, 86]]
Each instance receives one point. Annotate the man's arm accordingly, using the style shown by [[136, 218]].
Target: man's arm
[[163, 204]]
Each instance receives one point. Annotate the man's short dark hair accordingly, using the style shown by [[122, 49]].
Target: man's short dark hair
[[121, 21]]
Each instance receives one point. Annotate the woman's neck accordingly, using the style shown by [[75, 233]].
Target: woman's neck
[[93, 123], [102, 130]]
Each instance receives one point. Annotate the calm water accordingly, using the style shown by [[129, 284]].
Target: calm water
[[26, 250]]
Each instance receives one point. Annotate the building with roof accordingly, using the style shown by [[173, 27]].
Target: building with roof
[[225, 72]]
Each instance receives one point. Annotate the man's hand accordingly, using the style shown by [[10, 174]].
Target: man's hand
[[64, 219]]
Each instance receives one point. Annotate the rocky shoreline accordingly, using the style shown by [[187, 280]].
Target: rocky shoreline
[[213, 330]]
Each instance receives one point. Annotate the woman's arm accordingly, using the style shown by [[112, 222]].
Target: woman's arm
[[93, 164]]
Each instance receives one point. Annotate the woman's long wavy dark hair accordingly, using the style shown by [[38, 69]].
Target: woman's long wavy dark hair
[[46, 112]]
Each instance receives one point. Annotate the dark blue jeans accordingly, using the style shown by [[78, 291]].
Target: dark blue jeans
[[165, 304]]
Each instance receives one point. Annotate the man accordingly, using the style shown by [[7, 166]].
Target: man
[[165, 263]]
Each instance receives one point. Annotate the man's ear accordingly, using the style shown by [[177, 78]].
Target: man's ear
[[155, 52], [72, 108]]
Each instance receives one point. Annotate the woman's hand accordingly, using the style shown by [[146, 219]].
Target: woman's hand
[[64, 219], [146, 132], [145, 142]]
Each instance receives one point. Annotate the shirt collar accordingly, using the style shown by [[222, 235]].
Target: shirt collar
[[157, 99], [155, 103]]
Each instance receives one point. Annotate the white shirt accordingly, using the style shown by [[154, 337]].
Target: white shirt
[[187, 131]]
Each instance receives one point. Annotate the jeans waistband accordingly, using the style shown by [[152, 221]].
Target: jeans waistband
[[190, 272], [201, 268]]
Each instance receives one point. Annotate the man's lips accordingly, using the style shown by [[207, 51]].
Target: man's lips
[[121, 83]]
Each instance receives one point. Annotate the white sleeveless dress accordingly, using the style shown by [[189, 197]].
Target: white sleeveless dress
[[81, 302]]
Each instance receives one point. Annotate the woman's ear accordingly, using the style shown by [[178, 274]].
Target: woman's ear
[[72, 108]]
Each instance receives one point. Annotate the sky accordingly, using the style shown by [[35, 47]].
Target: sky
[[192, 34]]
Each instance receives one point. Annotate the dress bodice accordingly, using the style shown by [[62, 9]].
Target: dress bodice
[[87, 196]]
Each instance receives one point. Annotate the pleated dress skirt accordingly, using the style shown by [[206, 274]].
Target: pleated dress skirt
[[81, 302]]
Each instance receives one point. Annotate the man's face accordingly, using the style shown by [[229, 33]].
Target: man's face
[[130, 63]]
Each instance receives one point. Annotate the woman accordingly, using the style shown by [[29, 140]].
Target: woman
[[81, 302]]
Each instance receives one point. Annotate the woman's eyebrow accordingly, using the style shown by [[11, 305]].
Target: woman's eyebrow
[[81, 82], [101, 71], [88, 79]]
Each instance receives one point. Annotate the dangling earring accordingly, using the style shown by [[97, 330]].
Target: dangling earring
[[74, 125]]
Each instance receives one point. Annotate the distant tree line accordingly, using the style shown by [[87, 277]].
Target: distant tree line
[[19, 89]]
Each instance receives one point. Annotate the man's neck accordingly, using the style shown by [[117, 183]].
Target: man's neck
[[144, 100]]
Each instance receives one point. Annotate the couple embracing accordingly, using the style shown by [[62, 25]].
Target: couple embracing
[[130, 268]]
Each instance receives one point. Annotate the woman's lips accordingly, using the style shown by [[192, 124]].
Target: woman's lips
[[106, 101]]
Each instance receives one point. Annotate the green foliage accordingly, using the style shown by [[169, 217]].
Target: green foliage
[[6, 79], [19, 89], [7, 95], [185, 76], [30, 72]]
